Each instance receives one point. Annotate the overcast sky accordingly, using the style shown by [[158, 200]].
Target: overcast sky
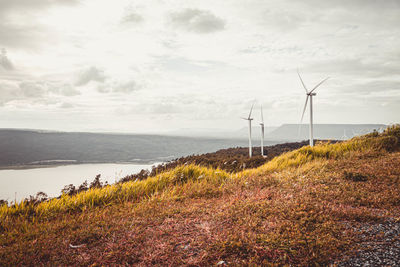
[[152, 65]]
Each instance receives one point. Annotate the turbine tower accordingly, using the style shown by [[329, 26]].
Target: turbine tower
[[262, 132], [249, 119], [309, 94], [344, 136]]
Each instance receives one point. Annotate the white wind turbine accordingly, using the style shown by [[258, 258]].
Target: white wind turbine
[[249, 119], [262, 132], [344, 136], [310, 94]]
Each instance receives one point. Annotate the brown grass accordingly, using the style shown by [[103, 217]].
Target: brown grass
[[295, 210]]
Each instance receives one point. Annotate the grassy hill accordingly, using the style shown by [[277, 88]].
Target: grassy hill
[[305, 207]]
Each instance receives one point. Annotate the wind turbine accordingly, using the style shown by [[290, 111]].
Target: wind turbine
[[344, 136], [262, 132], [249, 119], [310, 94]]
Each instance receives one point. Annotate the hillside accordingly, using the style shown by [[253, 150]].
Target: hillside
[[311, 206], [229, 159], [21, 147]]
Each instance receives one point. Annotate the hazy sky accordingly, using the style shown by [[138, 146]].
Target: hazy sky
[[152, 65]]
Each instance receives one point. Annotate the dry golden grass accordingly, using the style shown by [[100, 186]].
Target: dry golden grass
[[295, 210]]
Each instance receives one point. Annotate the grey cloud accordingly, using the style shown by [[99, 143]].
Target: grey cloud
[[64, 89], [6, 5], [372, 87], [132, 18], [349, 16], [387, 4], [68, 90], [282, 19], [5, 63], [66, 105], [20, 36], [8, 92], [102, 88], [91, 74], [127, 87], [195, 20], [119, 87], [42, 88], [357, 66], [35, 91], [24, 32], [32, 89]]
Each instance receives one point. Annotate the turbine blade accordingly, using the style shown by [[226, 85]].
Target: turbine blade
[[262, 115], [251, 109], [304, 110], [319, 84], [305, 88]]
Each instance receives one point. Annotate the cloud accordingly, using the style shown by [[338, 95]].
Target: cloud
[[196, 20], [18, 21], [66, 105], [6, 5], [35, 91], [132, 18], [119, 87], [8, 91], [357, 66], [64, 89], [382, 88], [91, 74], [283, 19], [5, 63], [32, 89], [127, 87]]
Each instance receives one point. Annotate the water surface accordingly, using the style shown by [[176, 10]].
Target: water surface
[[21, 183]]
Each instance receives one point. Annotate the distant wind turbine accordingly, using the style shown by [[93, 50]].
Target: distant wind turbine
[[310, 94], [262, 132], [344, 136], [249, 119]]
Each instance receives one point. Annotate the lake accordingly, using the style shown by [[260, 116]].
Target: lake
[[21, 183]]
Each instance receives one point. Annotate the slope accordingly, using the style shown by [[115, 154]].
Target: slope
[[302, 208]]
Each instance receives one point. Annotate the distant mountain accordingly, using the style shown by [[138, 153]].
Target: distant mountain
[[241, 133], [322, 131], [20, 147]]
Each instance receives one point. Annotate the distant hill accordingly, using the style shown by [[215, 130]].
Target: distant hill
[[322, 131], [241, 133], [20, 147]]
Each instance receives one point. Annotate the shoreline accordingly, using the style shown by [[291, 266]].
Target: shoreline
[[40, 166]]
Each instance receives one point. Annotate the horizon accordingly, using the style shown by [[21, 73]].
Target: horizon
[[198, 131], [154, 66]]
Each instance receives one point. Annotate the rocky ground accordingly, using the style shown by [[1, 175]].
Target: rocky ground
[[379, 245]]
